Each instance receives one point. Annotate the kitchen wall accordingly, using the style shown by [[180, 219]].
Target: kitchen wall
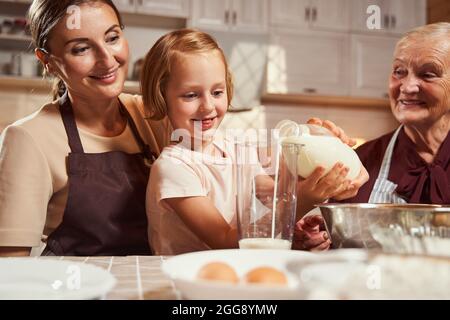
[[247, 56], [140, 40], [438, 10]]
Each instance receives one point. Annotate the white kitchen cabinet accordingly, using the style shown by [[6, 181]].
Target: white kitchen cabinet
[[333, 15], [126, 6], [169, 8], [396, 16], [371, 58], [308, 62], [166, 8], [246, 16]]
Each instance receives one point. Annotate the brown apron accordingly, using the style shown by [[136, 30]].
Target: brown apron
[[105, 211]]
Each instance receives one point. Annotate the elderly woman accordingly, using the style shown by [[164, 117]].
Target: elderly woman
[[412, 164]]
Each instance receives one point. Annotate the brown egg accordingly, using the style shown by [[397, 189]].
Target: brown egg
[[441, 219], [218, 271], [266, 276]]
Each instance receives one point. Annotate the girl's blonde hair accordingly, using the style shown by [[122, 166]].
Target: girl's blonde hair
[[157, 66]]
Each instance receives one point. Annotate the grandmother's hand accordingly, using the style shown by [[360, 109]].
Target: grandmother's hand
[[337, 131], [308, 234]]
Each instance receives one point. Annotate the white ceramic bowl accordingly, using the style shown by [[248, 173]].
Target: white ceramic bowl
[[183, 269], [49, 279]]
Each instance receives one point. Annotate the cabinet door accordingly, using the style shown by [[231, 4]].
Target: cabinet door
[[169, 8], [406, 15], [211, 14], [330, 14], [249, 16], [290, 13], [127, 6], [371, 65], [359, 15], [308, 62]]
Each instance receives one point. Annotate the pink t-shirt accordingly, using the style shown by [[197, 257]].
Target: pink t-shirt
[[181, 172]]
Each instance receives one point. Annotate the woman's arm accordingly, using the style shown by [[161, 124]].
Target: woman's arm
[[14, 252], [203, 219], [25, 189]]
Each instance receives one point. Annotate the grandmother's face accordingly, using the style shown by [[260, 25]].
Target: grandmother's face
[[419, 85]]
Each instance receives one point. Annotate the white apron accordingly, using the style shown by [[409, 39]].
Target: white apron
[[384, 190]]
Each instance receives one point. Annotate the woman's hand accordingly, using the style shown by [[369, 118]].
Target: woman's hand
[[308, 234], [337, 131]]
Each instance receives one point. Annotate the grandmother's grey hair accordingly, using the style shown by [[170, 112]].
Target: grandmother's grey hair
[[439, 31]]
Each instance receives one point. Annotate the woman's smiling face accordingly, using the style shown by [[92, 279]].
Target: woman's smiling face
[[419, 86], [91, 59]]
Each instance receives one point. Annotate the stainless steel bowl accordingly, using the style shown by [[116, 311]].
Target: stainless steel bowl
[[405, 228]]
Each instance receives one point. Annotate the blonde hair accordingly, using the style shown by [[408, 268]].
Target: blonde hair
[[434, 31], [157, 66]]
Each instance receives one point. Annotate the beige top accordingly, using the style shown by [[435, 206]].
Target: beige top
[[33, 179], [180, 172]]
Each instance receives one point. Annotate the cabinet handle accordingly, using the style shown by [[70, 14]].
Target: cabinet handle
[[234, 17], [309, 90], [227, 16], [307, 13], [386, 21], [393, 21], [314, 14]]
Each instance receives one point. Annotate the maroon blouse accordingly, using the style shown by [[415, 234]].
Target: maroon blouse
[[418, 182]]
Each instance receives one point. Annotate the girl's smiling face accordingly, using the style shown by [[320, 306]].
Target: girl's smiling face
[[196, 93], [91, 59], [419, 86]]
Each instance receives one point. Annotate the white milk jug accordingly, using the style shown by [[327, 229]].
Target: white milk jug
[[320, 148]]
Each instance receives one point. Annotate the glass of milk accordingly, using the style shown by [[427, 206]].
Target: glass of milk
[[266, 198]]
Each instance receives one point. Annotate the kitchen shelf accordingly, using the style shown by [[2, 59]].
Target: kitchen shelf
[[15, 37], [39, 84], [15, 42], [317, 100]]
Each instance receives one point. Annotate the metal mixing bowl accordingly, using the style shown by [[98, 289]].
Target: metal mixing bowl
[[398, 228]]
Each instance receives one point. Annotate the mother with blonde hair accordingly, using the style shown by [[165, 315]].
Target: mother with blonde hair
[[412, 164]]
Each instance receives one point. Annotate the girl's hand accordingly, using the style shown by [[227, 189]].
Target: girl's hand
[[337, 131], [354, 186], [319, 187], [308, 234]]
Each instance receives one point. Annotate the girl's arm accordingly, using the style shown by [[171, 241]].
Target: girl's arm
[[202, 218], [318, 187]]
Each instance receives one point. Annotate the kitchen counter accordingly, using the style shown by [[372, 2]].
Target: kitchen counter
[[318, 100], [42, 85], [138, 277]]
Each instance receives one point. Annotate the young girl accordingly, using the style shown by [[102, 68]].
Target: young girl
[[189, 196]]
